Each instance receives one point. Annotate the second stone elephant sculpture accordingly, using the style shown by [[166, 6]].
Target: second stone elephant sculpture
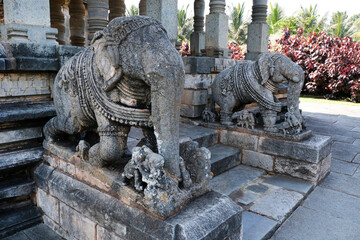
[[257, 82]]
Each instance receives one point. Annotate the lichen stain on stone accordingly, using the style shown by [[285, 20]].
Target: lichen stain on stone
[[164, 197]]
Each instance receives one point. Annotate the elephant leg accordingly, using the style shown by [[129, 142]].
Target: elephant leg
[[269, 119], [227, 106], [112, 145], [149, 139], [55, 128]]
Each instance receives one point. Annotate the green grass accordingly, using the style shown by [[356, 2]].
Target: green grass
[[318, 99]]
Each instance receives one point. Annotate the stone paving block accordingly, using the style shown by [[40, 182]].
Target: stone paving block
[[278, 204], [235, 178], [136, 133], [258, 188], [343, 154], [48, 204], [223, 158], [197, 81], [259, 160], [299, 169], [356, 158], [356, 142], [244, 197], [239, 140], [191, 111], [343, 139], [76, 224], [356, 129], [311, 150], [41, 231], [336, 203], [347, 146], [307, 223], [56, 228], [103, 234], [342, 183], [195, 97], [41, 176], [256, 227], [289, 183], [339, 166]]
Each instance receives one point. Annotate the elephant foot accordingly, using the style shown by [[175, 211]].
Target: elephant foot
[[225, 118]]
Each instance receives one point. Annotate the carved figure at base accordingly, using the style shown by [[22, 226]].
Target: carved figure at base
[[258, 81], [131, 75], [245, 119]]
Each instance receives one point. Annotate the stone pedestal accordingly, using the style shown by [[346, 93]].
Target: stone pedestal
[[258, 31], [81, 201], [166, 12], [216, 37], [307, 157], [27, 21]]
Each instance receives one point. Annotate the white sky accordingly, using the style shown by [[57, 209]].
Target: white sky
[[290, 6]]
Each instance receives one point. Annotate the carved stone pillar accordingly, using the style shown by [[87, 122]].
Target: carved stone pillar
[[27, 21], [77, 22], [216, 36], [166, 12], [142, 7], [197, 38], [58, 19], [258, 31], [97, 15], [117, 9]]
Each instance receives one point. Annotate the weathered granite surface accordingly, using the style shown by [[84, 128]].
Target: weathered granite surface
[[217, 216]]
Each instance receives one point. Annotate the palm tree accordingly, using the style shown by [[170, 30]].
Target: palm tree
[[185, 25], [355, 30], [132, 11], [340, 25], [238, 24], [310, 20], [276, 15]]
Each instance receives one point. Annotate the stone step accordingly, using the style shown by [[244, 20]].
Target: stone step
[[18, 159], [223, 158], [204, 136], [38, 232], [20, 112], [16, 187], [15, 220]]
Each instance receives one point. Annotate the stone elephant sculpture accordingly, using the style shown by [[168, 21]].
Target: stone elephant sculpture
[[131, 75], [258, 81]]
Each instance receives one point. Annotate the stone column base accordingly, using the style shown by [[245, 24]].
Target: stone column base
[[75, 209], [28, 34]]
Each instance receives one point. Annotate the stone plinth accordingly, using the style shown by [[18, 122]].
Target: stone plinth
[[27, 21], [308, 158], [80, 201]]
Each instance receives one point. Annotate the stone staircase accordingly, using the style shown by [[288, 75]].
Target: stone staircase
[[20, 150], [267, 199]]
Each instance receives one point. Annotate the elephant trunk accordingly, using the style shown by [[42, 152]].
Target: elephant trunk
[[293, 94], [166, 96]]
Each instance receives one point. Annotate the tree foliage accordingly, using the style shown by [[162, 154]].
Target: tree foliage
[[274, 18], [185, 24], [132, 11], [238, 24]]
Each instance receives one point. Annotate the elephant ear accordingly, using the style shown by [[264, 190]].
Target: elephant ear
[[265, 68], [107, 59]]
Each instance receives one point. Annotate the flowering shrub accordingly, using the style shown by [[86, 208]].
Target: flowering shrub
[[331, 65], [237, 53], [185, 49]]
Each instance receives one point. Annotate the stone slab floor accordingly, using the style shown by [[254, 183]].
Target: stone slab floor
[[332, 210]]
